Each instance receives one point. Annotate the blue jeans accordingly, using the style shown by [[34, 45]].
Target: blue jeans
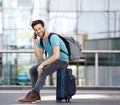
[[38, 80]]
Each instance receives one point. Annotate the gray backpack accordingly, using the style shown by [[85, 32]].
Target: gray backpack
[[73, 47]]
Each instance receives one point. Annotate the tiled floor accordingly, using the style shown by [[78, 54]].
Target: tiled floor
[[82, 97]]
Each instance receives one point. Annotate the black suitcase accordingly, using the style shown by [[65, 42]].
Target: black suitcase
[[66, 86]]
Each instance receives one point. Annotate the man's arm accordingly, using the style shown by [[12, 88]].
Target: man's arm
[[37, 51], [54, 57]]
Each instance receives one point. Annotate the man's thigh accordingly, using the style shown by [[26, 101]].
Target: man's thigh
[[49, 69]]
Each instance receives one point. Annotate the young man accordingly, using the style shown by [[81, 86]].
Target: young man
[[56, 60]]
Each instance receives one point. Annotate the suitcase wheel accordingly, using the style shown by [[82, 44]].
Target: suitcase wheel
[[67, 100]]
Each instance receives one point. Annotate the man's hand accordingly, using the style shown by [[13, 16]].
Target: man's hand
[[35, 40], [40, 67]]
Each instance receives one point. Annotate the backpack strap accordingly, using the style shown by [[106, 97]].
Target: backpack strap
[[64, 40], [41, 42]]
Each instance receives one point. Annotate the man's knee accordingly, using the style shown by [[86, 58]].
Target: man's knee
[[33, 69]]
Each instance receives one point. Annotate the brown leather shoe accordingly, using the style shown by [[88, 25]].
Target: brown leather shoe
[[30, 97]]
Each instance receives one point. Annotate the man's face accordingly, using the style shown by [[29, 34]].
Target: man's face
[[39, 30]]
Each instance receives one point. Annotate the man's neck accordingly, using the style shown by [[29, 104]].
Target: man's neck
[[45, 36]]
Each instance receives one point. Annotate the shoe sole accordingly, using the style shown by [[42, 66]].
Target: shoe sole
[[33, 102]]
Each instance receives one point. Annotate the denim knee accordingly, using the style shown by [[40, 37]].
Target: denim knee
[[33, 69]]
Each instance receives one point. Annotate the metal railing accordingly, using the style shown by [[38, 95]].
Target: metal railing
[[96, 52]]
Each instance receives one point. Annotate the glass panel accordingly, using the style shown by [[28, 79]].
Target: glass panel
[[62, 23], [17, 35], [16, 70]]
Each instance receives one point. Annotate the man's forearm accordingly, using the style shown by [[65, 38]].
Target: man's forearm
[[38, 54]]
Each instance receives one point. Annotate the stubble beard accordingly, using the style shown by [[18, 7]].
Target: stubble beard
[[43, 34]]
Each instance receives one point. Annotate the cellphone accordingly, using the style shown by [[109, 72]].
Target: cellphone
[[35, 36]]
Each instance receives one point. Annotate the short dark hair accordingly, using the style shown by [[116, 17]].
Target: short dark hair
[[35, 22]]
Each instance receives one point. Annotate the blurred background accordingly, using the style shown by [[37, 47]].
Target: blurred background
[[94, 23]]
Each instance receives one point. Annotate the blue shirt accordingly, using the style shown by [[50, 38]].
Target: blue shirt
[[55, 40]]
